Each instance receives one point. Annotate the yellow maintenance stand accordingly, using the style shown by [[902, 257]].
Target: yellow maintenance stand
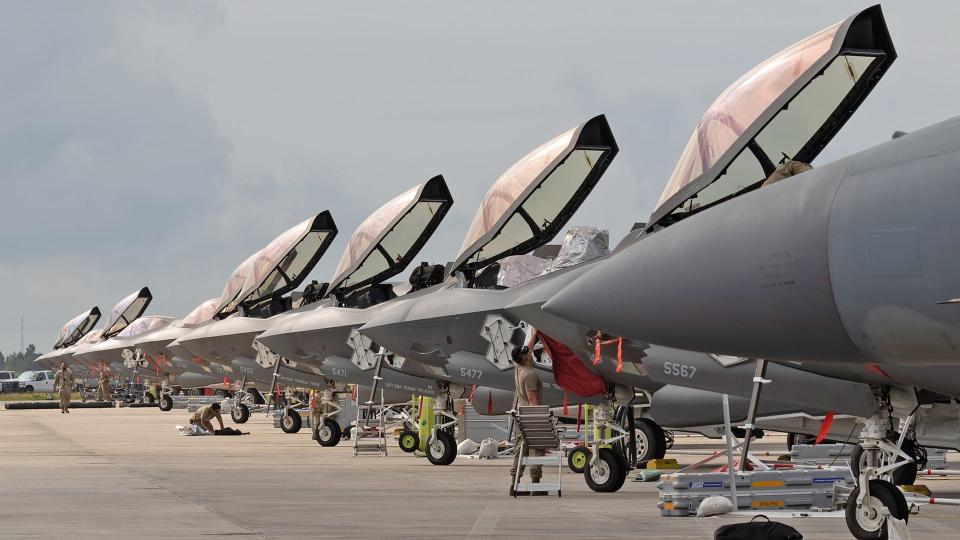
[[427, 420]]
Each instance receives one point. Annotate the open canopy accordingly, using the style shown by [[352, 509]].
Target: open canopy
[[200, 314], [145, 324], [77, 327], [389, 238], [532, 201], [126, 311], [788, 107], [279, 267]]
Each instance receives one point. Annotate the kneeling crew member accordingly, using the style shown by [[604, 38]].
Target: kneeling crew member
[[204, 415]]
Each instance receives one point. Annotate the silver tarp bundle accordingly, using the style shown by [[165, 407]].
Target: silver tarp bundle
[[519, 268], [582, 244]]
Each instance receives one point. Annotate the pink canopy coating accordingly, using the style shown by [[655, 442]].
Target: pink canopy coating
[[122, 306], [145, 324], [267, 258], [92, 337], [200, 314], [371, 228], [72, 325], [235, 282], [741, 104], [511, 185]]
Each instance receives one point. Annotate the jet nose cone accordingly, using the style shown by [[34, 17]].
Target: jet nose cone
[[601, 299]]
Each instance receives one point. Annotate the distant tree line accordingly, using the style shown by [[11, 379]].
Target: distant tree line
[[18, 361]]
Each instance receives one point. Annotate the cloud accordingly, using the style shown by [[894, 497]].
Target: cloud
[[161, 143]]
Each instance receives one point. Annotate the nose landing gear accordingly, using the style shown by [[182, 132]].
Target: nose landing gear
[[878, 457]]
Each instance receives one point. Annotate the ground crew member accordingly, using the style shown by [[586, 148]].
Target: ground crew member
[[204, 415], [528, 393], [62, 382], [315, 414], [103, 388]]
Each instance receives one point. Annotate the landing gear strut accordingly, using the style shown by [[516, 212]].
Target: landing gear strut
[[878, 457], [328, 432], [441, 446]]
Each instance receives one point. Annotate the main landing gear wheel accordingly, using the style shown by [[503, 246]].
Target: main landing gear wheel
[[166, 403], [409, 441], [328, 433], [240, 413], [607, 474], [148, 397], [651, 441], [578, 458], [347, 432], [905, 475], [291, 421], [441, 449], [868, 522]]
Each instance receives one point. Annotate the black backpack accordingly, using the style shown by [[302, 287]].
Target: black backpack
[[757, 530]]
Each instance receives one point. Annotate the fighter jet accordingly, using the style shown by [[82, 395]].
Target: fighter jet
[[462, 332], [157, 358], [254, 292], [70, 333], [848, 264], [110, 354], [123, 313], [325, 337]]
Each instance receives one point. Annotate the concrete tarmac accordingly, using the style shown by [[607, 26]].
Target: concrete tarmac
[[126, 473]]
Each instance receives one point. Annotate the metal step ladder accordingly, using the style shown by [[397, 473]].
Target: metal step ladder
[[370, 432], [538, 429]]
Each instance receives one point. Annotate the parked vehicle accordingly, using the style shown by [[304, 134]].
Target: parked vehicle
[[36, 381], [8, 382]]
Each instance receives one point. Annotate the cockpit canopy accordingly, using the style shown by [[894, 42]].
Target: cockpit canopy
[[145, 324], [77, 327], [200, 314], [126, 311], [787, 108], [279, 267], [385, 243], [532, 201]]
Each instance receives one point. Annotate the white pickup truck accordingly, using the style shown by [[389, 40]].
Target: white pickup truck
[[36, 381]]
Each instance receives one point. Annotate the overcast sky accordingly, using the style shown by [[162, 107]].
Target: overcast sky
[[161, 144]]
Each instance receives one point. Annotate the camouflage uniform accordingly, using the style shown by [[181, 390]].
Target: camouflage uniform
[[62, 382], [103, 389], [203, 417], [314, 410]]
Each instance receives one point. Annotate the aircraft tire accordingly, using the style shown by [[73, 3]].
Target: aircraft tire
[[240, 413], [329, 433], [869, 523], [607, 474], [166, 403], [442, 449], [409, 441], [651, 442], [578, 458], [904, 475], [291, 421]]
